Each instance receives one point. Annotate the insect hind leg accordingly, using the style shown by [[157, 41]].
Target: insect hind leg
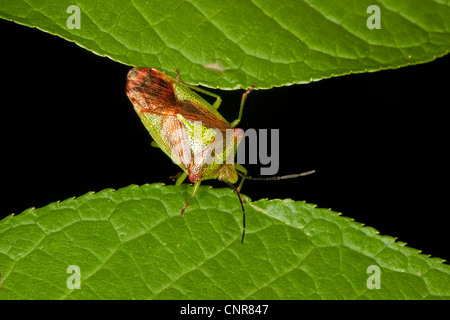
[[241, 109], [216, 103]]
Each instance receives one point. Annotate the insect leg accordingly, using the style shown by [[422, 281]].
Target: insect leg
[[194, 192], [154, 144], [244, 171], [241, 109], [216, 103], [181, 178]]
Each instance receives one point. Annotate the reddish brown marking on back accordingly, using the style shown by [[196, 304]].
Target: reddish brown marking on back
[[153, 92]]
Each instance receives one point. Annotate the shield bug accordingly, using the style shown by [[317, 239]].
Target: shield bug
[[189, 129]]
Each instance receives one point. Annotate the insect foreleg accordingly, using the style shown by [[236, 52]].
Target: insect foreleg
[[194, 191], [181, 178]]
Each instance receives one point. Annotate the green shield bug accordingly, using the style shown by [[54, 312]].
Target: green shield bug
[[189, 129]]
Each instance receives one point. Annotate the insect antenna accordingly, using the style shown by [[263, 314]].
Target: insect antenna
[[236, 189], [232, 186], [288, 176]]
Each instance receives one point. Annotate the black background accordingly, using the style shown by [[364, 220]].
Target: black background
[[377, 140]]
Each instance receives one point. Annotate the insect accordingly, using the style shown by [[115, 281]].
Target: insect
[[189, 129]]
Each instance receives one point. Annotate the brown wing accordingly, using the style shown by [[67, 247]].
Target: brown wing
[[153, 92]]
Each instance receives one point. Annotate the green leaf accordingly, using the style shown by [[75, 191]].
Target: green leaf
[[132, 244], [232, 44]]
